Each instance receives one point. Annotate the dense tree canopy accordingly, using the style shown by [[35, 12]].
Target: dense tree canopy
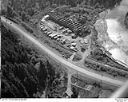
[[28, 8], [24, 72], [126, 20]]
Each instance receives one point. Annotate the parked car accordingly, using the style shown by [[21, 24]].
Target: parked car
[[69, 31], [61, 27], [74, 48], [58, 39], [49, 33], [59, 36], [63, 41], [55, 37], [64, 31], [73, 44]]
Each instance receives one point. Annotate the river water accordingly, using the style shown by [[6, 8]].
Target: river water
[[114, 38], [119, 36]]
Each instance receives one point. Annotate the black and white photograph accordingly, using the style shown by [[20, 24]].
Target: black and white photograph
[[64, 49]]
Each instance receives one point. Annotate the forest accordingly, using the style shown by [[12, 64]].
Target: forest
[[26, 73], [126, 20], [31, 10]]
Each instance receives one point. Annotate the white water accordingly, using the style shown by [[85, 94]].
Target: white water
[[119, 55], [119, 35], [116, 33]]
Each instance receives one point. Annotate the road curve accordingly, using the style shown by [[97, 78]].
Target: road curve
[[35, 41]]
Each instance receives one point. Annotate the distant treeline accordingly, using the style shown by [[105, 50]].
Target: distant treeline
[[26, 9]]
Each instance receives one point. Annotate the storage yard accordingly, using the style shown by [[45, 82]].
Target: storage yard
[[64, 36], [68, 32]]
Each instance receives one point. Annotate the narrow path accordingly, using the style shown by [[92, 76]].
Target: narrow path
[[71, 57], [69, 91]]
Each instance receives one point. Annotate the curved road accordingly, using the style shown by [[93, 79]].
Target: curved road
[[35, 41]]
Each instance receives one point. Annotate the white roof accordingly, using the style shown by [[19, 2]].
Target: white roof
[[72, 47], [55, 36], [46, 16], [86, 40], [73, 43], [52, 35], [41, 27], [43, 19]]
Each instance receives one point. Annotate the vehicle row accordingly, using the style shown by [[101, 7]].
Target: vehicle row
[[58, 37]]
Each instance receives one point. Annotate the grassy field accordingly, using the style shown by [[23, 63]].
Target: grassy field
[[79, 86]]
